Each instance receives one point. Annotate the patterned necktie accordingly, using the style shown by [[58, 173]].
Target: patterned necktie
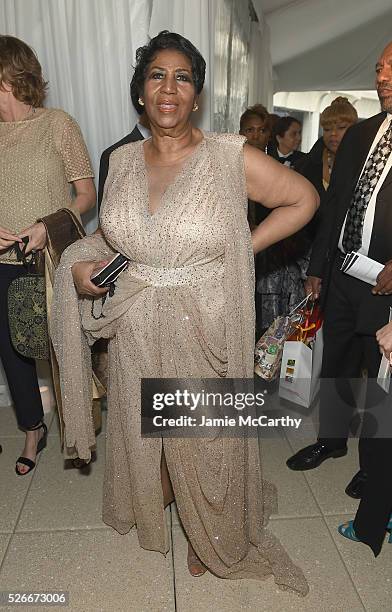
[[352, 237]]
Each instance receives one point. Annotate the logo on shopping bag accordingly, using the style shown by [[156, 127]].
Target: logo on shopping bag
[[290, 368]]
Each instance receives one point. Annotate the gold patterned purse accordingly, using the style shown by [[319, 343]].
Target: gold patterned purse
[[27, 314]]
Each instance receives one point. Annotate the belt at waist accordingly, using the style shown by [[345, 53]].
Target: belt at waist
[[172, 277]]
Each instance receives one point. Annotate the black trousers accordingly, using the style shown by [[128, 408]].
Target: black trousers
[[20, 372], [346, 353]]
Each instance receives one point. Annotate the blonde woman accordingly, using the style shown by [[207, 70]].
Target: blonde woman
[[42, 154]]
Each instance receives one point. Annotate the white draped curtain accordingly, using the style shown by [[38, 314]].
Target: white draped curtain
[[232, 43], [261, 84]]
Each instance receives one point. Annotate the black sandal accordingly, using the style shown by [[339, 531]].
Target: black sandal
[[40, 446]]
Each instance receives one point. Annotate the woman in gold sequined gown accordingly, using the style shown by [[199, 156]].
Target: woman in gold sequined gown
[[176, 206]]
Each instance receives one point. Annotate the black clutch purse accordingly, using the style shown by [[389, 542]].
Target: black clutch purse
[[27, 312], [110, 273]]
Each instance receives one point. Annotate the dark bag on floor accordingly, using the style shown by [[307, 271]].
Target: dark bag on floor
[[27, 313]]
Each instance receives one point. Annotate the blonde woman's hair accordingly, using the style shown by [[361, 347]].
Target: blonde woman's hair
[[340, 109], [20, 68]]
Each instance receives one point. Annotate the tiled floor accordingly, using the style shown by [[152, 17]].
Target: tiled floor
[[52, 538]]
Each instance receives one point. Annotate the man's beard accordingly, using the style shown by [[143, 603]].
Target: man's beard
[[386, 104]]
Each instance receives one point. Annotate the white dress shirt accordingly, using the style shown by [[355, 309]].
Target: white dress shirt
[[371, 209], [282, 155]]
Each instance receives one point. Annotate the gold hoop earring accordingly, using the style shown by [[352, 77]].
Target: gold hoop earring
[[195, 108], [140, 101]]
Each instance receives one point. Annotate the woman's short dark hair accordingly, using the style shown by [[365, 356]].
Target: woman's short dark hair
[[20, 68], [282, 125], [145, 55], [257, 110]]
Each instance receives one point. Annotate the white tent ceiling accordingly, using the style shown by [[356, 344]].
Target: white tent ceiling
[[326, 44]]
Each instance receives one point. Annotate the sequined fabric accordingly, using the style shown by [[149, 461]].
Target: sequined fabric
[[184, 309], [39, 156]]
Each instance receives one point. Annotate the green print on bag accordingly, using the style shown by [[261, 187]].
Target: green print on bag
[[27, 316]]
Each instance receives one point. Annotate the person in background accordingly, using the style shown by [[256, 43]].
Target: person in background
[[356, 217], [255, 126], [42, 155], [273, 118], [317, 165], [287, 134], [280, 269], [139, 132]]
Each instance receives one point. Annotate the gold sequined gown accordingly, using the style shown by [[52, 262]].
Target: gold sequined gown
[[184, 308]]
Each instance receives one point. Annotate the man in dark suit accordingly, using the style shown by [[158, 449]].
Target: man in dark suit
[[139, 132], [356, 215]]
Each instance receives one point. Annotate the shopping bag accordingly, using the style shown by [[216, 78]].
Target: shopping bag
[[269, 348], [300, 370]]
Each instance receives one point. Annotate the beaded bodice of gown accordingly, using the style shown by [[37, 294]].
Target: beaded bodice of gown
[[186, 216]]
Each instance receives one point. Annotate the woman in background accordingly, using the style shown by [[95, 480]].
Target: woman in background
[[255, 126], [280, 269], [42, 154], [287, 135], [317, 165]]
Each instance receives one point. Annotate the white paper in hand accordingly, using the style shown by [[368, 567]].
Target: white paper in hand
[[384, 372], [362, 267]]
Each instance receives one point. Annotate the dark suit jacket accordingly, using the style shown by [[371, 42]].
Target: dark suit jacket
[[373, 312], [311, 166], [293, 158], [104, 162]]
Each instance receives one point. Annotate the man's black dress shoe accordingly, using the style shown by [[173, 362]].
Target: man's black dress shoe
[[312, 456], [355, 486]]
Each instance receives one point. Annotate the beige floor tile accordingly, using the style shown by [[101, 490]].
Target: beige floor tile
[[64, 498], [294, 495], [4, 539], [102, 570], [13, 488], [371, 576], [8, 424], [308, 542]]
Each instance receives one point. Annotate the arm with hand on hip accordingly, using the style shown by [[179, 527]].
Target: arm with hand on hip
[[293, 199]]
